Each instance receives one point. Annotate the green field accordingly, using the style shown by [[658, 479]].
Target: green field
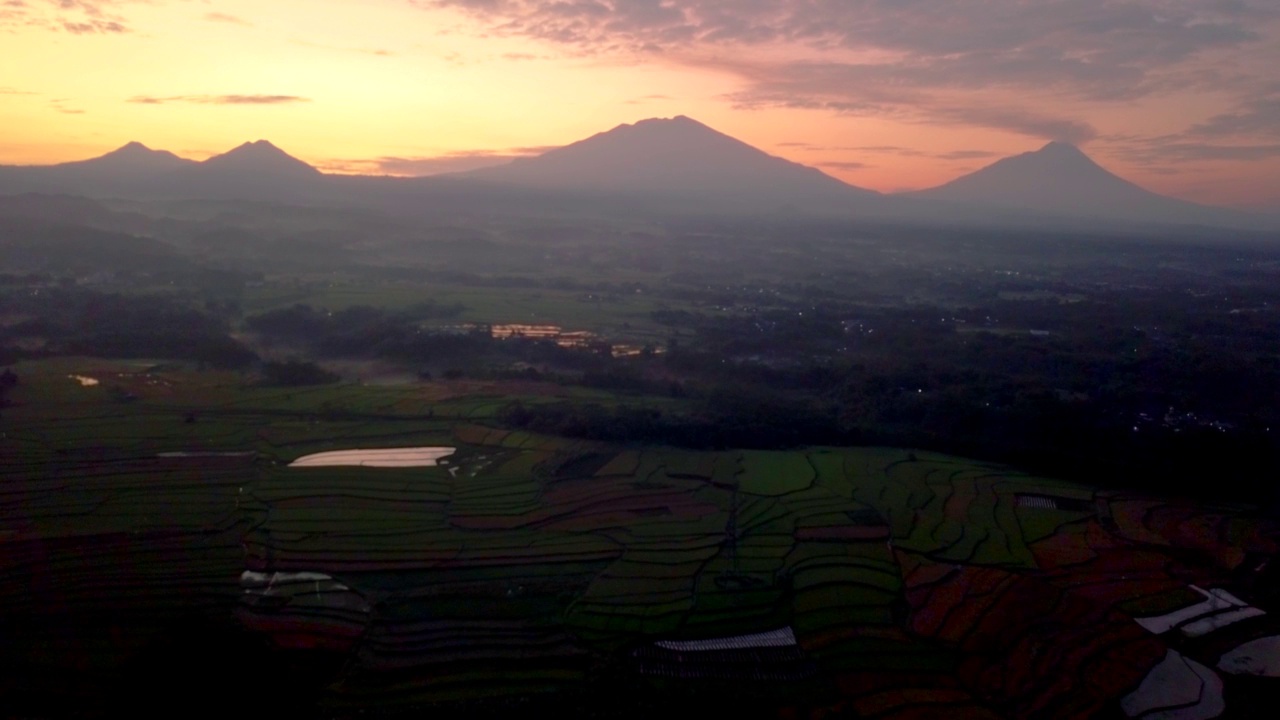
[[527, 563]]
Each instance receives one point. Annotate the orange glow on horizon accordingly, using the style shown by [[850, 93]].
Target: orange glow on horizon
[[371, 87]]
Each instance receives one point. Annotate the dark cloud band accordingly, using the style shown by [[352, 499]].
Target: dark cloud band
[[220, 99], [932, 61]]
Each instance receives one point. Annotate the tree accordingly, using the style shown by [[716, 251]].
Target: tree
[[8, 381], [296, 373]]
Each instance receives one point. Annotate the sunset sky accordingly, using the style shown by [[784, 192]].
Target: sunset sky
[[1182, 97]]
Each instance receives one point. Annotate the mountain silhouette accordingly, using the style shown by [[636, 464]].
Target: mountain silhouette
[[131, 160], [261, 159], [658, 165], [1060, 179], [252, 171], [676, 158], [115, 173]]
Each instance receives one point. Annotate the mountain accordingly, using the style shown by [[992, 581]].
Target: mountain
[[660, 165], [1060, 179], [117, 172], [252, 171], [130, 161], [677, 159], [260, 159]]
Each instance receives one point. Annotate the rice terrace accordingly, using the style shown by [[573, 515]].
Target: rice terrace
[[457, 565]]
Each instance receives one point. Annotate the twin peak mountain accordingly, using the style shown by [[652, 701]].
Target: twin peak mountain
[[251, 157]]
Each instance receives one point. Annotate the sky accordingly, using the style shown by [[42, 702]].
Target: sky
[[1182, 97]]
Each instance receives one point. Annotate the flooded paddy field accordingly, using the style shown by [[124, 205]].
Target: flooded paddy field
[[394, 457], [522, 569]]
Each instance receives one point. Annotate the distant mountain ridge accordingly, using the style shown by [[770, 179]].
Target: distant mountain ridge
[[660, 165]]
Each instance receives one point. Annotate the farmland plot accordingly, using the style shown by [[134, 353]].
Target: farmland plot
[[520, 565]]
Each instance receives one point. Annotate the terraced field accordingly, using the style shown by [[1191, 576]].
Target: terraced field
[[866, 582]]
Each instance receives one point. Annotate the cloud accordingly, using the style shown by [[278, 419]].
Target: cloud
[[455, 162], [900, 151], [1161, 151], [59, 105], [14, 91], [218, 17], [643, 99], [94, 26], [1013, 119], [76, 17], [1079, 31], [887, 150], [364, 51], [966, 155], [220, 99], [845, 165], [866, 90], [420, 166], [1257, 116], [927, 62], [1248, 131], [530, 150], [896, 151]]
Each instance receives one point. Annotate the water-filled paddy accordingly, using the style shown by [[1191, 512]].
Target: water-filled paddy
[[387, 457]]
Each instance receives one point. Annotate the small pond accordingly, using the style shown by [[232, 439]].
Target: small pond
[[387, 458]]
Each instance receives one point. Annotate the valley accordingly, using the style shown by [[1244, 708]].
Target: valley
[[539, 440]]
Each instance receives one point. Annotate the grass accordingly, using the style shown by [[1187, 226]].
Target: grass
[[625, 318], [598, 548], [774, 473]]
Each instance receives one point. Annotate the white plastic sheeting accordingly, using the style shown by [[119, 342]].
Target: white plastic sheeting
[[1216, 601], [1204, 626], [301, 590], [1176, 689], [783, 637], [1257, 657]]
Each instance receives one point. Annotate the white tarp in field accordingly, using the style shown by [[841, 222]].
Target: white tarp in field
[[1176, 689], [1257, 657], [302, 589], [783, 637], [1232, 608]]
